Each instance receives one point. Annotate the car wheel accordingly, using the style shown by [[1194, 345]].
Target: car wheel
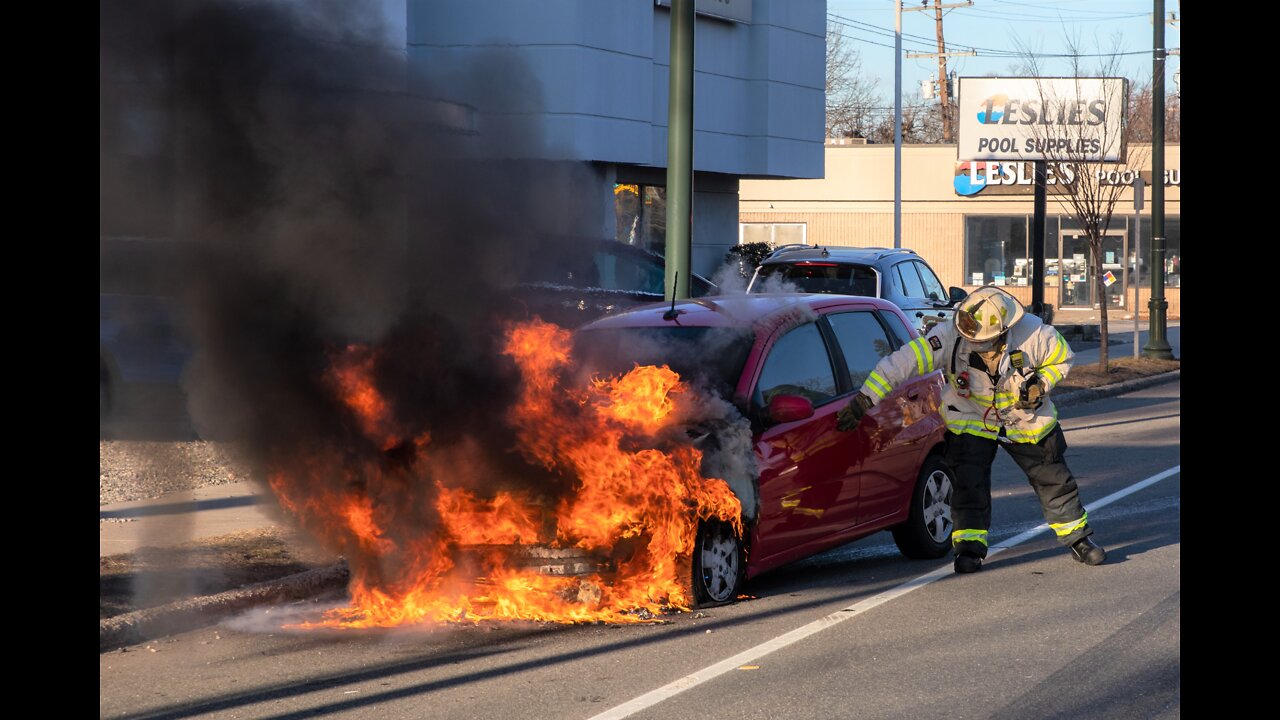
[[927, 532], [719, 564]]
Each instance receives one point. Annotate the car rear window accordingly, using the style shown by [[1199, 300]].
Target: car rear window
[[712, 357], [824, 277]]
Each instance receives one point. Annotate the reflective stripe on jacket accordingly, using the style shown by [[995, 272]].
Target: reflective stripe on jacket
[[989, 405]]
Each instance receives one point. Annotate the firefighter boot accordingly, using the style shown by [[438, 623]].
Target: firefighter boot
[[968, 563], [1084, 550]]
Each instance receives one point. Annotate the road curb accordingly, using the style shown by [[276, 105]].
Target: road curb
[[183, 615], [1078, 397]]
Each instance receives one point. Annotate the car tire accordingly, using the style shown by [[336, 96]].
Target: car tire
[[927, 532], [718, 564]]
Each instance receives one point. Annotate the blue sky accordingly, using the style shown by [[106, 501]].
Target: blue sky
[[994, 28]]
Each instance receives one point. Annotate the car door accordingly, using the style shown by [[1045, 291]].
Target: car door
[[937, 296], [806, 490], [914, 299], [888, 444]]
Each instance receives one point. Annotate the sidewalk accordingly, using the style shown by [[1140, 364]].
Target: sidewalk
[[183, 516]]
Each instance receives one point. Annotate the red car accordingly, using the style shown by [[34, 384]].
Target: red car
[[788, 363]]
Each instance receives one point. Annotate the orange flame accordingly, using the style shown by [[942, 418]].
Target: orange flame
[[424, 548]]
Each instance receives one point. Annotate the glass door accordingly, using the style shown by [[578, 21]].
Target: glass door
[[1077, 272], [1078, 283]]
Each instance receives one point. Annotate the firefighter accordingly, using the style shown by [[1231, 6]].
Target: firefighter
[[1000, 364]]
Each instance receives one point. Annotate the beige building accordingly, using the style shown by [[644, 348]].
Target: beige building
[[972, 234]]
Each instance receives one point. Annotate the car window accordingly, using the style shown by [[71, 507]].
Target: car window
[[932, 287], [862, 340], [798, 364], [619, 272], [898, 333], [911, 285], [823, 277]]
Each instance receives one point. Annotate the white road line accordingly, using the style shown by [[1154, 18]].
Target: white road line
[[710, 672]]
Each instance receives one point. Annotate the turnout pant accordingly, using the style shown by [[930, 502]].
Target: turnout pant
[[970, 458]]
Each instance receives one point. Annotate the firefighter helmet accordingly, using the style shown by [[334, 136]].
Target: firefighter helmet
[[987, 313]]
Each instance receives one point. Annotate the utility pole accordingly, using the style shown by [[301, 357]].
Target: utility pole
[[944, 91], [897, 113]]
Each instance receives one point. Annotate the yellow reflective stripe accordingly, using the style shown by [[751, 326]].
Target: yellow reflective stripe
[[1004, 400], [928, 352], [1059, 353], [981, 398], [972, 427], [877, 382], [1053, 374], [1065, 529], [1032, 436], [915, 347], [969, 536]]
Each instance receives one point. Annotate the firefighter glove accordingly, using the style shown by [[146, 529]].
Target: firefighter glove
[[1032, 394], [850, 415]]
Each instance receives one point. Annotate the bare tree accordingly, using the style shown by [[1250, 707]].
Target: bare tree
[[852, 97], [921, 123], [1140, 117], [1087, 187]]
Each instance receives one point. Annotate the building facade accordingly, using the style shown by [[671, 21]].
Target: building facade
[[975, 232], [591, 79]]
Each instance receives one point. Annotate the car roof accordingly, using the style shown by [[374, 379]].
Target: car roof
[[739, 310], [802, 253]]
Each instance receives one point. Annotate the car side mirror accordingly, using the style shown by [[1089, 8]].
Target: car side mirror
[[789, 408], [957, 294]]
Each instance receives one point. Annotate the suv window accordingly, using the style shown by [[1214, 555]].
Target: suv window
[[824, 277], [798, 364], [911, 285], [932, 286], [863, 341]]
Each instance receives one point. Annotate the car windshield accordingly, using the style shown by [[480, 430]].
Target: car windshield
[[823, 277], [712, 357]]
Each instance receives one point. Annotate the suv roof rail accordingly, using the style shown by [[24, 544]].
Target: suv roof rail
[[790, 247]]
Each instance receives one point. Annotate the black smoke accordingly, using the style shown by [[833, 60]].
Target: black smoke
[[323, 193]]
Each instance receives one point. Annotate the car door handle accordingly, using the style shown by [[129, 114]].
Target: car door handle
[[919, 314]]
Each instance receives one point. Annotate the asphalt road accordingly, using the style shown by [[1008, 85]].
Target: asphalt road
[[1034, 635]]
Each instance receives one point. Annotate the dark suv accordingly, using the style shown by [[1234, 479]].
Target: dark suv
[[571, 280], [900, 276]]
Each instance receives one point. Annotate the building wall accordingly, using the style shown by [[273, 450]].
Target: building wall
[[585, 80], [594, 75]]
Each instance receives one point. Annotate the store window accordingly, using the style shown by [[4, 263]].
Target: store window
[[641, 212], [778, 234], [1172, 251], [995, 250]]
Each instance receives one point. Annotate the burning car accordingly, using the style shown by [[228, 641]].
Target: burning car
[[659, 458], [786, 364]]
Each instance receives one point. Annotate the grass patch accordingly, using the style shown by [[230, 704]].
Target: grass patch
[[1118, 370]]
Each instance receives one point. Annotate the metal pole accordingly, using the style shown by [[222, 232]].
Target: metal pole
[[1157, 345], [680, 149], [1037, 241], [1137, 257], [897, 125]]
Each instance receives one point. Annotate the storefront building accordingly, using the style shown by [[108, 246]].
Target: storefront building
[[975, 233]]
